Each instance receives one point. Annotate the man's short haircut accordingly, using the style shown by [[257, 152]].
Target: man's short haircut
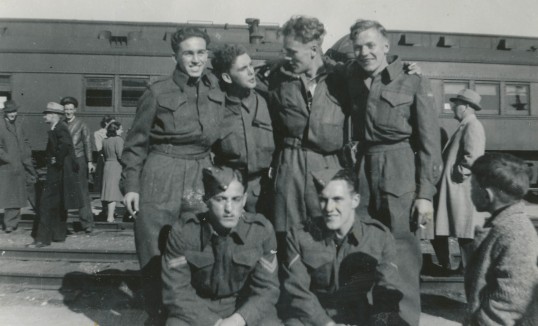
[[225, 57], [304, 29], [362, 25], [505, 173], [69, 100], [185, 33], [349, 176]]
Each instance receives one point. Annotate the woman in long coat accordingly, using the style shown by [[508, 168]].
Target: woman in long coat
[[456, 216], [15, 166]]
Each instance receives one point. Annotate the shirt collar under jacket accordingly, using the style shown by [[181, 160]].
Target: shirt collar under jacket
[[182, 79], [353, 236], [238, 234]]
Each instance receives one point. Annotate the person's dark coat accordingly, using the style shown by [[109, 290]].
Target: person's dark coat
[[62, 166], [15, 158]]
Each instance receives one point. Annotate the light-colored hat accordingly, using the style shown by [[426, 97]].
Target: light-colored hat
[[470, 97], [53, 107]]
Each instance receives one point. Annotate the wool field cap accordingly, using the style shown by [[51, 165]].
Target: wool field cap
[[323, 177], [10, 106], [217, 179], [470, 97], [53, 107]]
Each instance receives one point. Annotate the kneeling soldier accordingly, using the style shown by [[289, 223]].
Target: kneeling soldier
[[220, 267], [336, 260]]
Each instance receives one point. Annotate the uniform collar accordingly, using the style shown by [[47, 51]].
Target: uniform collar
[[393, 70], [183, 80], [353, 236], [247, 102], [238, 234]]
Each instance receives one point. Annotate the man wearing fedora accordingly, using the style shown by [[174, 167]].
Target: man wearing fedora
[[455, 213], [62, 189], [16, 168]]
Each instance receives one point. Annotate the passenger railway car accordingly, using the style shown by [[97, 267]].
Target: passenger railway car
[[105, 65], [502, 69]]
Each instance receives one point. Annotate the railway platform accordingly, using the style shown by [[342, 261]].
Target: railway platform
[[94, 280]]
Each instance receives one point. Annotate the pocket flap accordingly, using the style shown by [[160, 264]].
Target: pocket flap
[[171, 101], [200, 259], [316, 259], [247, 258], [395, 98], [216, 96]]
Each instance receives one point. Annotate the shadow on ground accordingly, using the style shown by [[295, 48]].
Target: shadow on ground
[[443, 306], [110, 297]]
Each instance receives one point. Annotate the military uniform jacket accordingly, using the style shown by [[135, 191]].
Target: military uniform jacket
[[315, 120], [176, 117], [246, 135], [197, 274], [397, 108], [328, 282]]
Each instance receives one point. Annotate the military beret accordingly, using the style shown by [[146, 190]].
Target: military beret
[[323, 177], [53, 107], [69, 100], [217, 179], [10, 106]]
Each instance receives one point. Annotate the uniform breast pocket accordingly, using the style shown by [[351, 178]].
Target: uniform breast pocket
[[394, 111], [201, 264], [243, 263], [319, 265], [169, 113]]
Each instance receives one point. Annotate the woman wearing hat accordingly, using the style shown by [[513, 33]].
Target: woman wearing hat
[[456, 216]]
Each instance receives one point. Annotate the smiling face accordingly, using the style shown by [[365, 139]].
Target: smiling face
[[70, 111], [192, 56], [338, 203], [226, 208], [241, 73], [370, 49]]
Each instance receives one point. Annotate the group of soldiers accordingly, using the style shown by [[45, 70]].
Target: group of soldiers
[[204, 145]]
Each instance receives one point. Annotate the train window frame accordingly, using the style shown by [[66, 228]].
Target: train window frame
[[129, 109], [448, 110], [505, 105], [110, 108], [6, 87], [485, 110]]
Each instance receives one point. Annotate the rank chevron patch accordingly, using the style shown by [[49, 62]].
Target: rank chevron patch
[[270, 266]]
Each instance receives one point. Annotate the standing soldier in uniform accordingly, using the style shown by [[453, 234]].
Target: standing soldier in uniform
[[307, 100], [333, 262], [246, 141], [17, 173], [176, 123], [83, 151], [397, 125], [220, 267]]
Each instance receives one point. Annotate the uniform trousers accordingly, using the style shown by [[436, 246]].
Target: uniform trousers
[[85, 213], [391, 179], [169, 186]]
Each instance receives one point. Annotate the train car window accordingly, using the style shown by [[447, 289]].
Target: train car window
[[5, 87], [99, 92], [491, 101], [451, 89], [131, 90], [516, 99]]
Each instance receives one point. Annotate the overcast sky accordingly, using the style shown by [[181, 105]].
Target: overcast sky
[[506, 17]]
